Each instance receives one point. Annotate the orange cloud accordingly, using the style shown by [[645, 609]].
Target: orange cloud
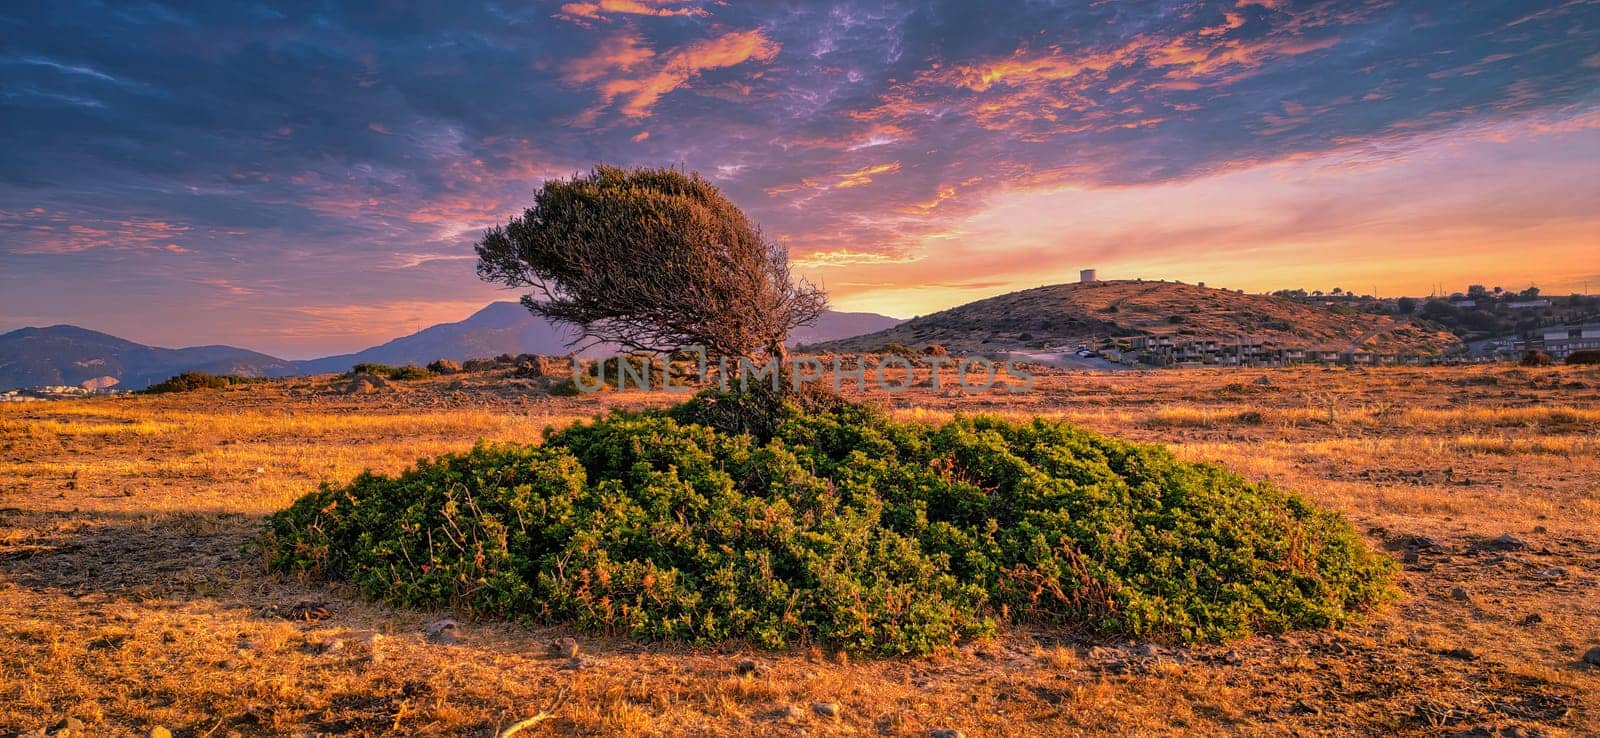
[[615, 54], [40, 231], [638, 77], [864, 175], [588, 11]]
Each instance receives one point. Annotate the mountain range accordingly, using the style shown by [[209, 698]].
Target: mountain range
[[69, 355]]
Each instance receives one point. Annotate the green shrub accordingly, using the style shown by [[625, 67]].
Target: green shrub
[[409, 371], [373, 368], [199, 380], [835, 524]]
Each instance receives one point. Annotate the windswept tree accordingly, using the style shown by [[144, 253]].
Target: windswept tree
[[650, 259]]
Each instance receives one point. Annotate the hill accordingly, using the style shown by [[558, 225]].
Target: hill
[[508, 328], [1070, 314], [499, 328], [69, 355]]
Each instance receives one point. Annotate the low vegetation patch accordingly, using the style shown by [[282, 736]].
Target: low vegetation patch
[[396, 373], [831, 523], [189, 381]]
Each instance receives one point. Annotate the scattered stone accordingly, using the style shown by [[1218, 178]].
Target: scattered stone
[[946, 733], [745, 668], [1102, 654], [1532, 619], [1551, 573], [1421, 543], [1147, 650], [306, 611], [1540, 529], [564, 647], [1506, 542], [828, 710], [444, 632], [789, 714], [1460, 594], [1592, 656], [1465, 654]]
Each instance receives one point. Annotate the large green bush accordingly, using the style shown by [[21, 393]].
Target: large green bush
[[836, 525]]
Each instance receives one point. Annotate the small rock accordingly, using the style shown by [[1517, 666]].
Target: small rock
[[1460, 594], [331, 646], [829, 710], [790, 714], [564, 647], [442, 631], [1146, 650], [1506, 542], [1592, 656], [1551, 573], [160, 732], [1423, 542], [1101, 653], [745, 668], [946, 733], [1465, 654], [575, 664], [1532, 619]]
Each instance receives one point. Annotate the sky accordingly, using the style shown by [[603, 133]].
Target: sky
[[309, 178]]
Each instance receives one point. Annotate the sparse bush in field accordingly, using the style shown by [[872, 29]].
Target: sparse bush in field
[[198, 380], [444, 366], [409, 371], [1536, 357], [935, 349], [1584, 356], [373, 368], [478, 365], [830, 523], [897, 348]]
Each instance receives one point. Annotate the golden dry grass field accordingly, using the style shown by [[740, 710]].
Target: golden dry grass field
[[131, 597]]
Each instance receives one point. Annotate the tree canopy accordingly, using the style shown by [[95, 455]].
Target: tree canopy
[[650, 259]]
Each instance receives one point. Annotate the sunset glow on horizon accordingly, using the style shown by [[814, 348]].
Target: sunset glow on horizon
[[304, 181]]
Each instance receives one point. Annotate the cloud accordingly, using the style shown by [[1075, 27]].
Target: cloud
[[582, 12], [634, 78]]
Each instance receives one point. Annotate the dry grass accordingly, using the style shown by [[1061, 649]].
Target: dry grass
[[129, 596]]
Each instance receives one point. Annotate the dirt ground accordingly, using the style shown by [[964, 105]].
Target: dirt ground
[[131, 596]]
